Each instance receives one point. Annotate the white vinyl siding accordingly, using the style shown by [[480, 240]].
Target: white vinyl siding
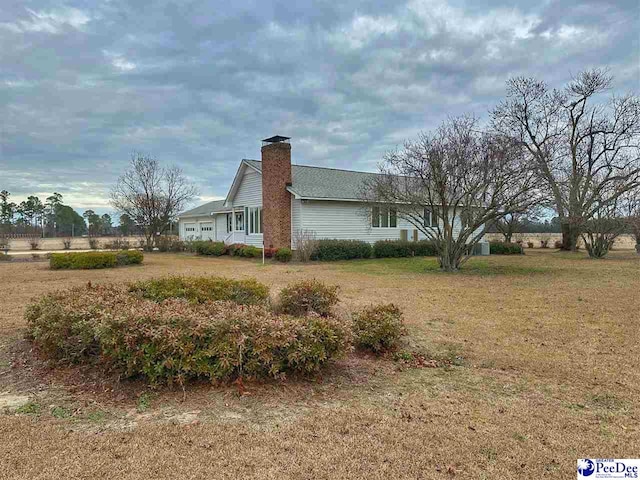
[[349, 221], [249, 192], [296, 218]]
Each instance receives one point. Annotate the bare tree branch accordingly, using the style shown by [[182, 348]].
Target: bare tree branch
[[151, 195]]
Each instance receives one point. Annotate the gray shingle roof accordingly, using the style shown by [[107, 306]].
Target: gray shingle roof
[[206, 209], [320, 182]]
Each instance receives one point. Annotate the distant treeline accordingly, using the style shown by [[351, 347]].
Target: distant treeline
[[52, 218]]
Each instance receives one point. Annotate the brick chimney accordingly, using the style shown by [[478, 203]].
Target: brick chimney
[[276, 200]]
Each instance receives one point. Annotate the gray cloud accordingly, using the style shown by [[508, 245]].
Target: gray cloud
[[83, 84]]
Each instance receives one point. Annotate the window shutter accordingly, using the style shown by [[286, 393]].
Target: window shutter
[[246, 220]]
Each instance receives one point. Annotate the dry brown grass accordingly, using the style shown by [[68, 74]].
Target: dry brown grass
[[547, 354]]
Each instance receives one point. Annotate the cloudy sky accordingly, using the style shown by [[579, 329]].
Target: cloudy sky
[[199, 83]]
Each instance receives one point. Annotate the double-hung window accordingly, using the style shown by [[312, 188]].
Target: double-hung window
[[239, 221], [229, 223], [384, 217], [254, 220], [430, 217]]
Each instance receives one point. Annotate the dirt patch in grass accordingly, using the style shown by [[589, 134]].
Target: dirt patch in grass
[[540, 367]]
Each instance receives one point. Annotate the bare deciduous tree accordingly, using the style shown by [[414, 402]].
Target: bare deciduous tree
[[151, 195], [306, 243], [600, 232], [630, 206], [451, 185], [580, 148]]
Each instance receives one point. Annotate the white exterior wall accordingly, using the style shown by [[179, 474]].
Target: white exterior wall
[[249, 194], [348, 221], [296, 219], [221, 227]]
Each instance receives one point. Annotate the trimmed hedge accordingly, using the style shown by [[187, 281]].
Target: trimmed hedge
[[308, 296], [94, 260], [505, 248], [283, 254], [330, 250], [403, 248], [202, 289], [378, 328], [207, 247], [174, 341], [129, 257]]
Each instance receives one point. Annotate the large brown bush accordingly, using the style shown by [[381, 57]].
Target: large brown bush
[[174, 340]]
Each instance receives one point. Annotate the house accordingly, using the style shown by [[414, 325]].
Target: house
[[271, 200]]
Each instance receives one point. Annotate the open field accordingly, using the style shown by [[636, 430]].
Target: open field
[[545, 370]]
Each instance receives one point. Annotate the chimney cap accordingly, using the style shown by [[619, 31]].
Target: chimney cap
[[275, 139]]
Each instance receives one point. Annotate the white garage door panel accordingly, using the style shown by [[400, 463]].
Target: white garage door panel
[[207, 231]]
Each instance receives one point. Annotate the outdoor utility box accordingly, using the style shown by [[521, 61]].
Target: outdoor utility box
[[481, 248]]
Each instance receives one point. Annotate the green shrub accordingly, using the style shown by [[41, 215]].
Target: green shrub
[[378, 327], [202, 289], [94, 243], [175, 340], [64, 324], [505, 248], [308, 296], [129, 257], [242, 250], [283, 254], [249, 251], [329, 250], [207, 247], [94, 260], [83, 260], [403, 248], [235, 249]]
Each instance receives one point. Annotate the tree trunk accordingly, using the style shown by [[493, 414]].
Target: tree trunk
[[507, 237], [570, 235]]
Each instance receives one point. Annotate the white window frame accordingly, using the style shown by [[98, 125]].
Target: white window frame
[[254, 216], [239, 221], [229, 222], [432, 220], [384, 215]]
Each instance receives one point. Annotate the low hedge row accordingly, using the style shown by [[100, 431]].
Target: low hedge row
[[207, 247], [330, 250], [403, 248], [505, 248], [94, 260]]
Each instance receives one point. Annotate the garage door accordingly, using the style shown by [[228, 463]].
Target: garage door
[[190, 230], [206, 231]]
